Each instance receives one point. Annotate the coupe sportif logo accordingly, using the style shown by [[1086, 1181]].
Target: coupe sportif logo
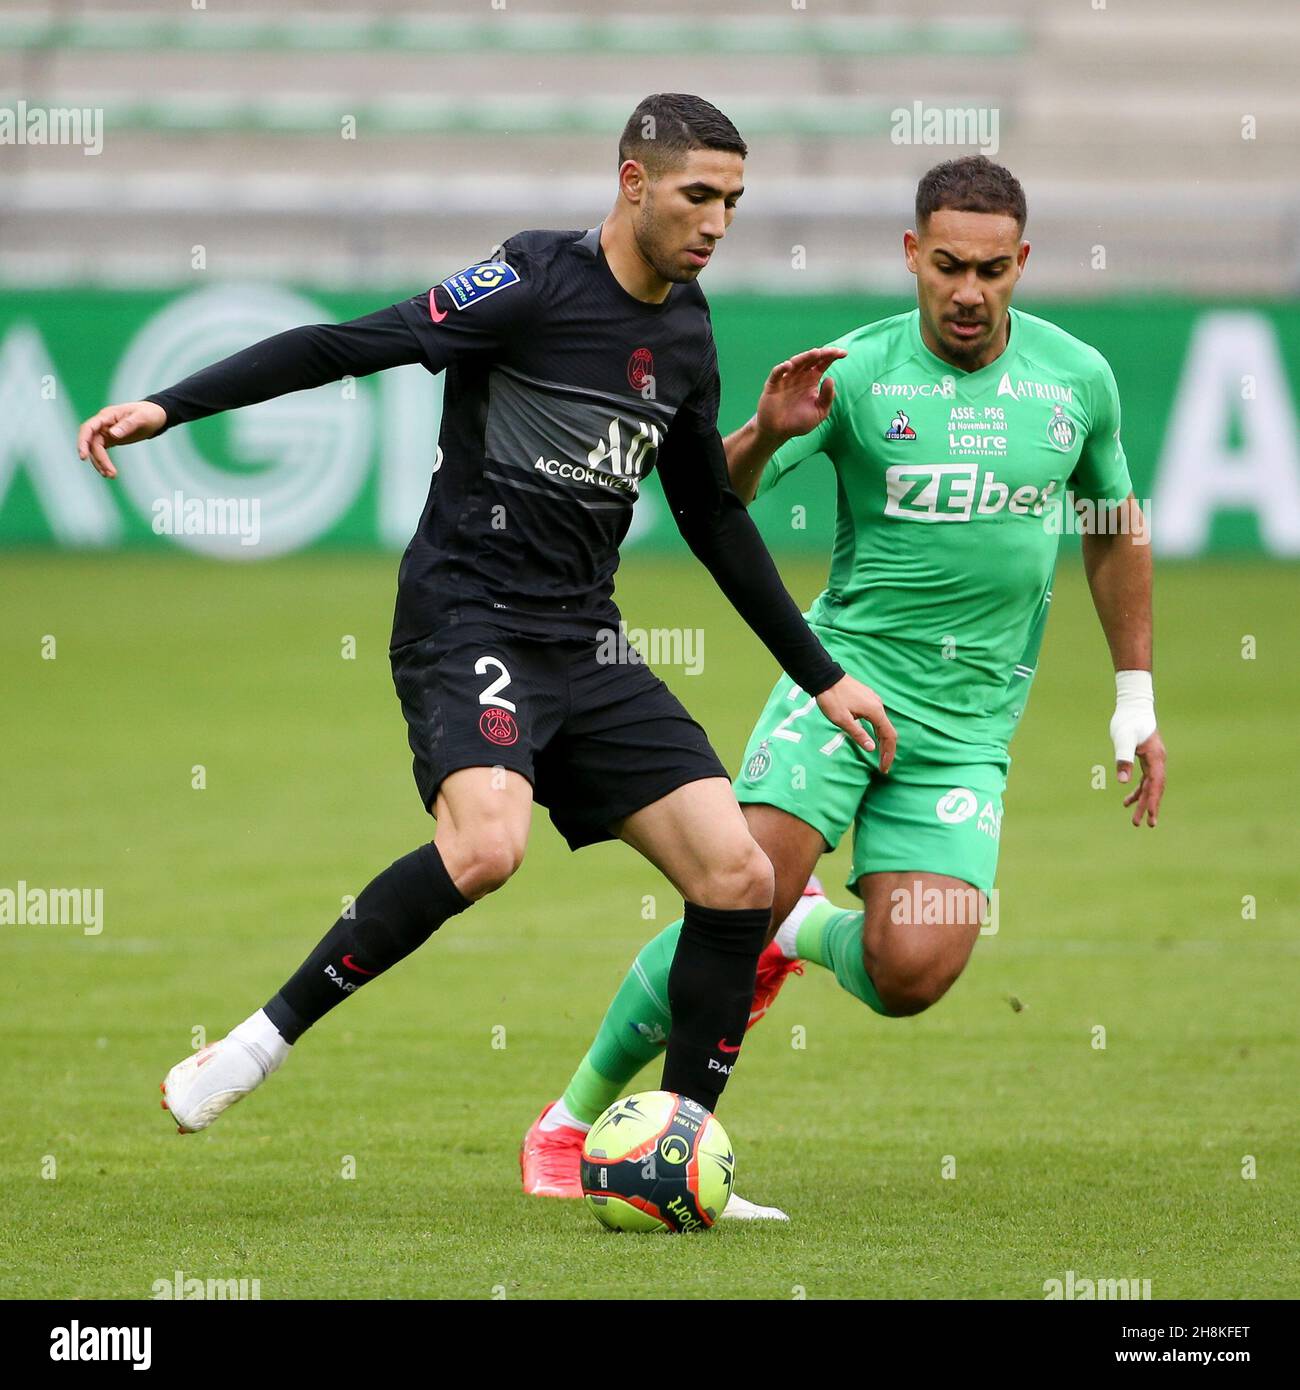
[[1060, 430], [674, 1149], [956, 805], [498, 725], [899, 428], [640, 369]]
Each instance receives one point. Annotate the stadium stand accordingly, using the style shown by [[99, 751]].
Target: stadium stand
[[234, 130]]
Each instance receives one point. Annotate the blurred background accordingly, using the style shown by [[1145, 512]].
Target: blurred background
[[246, 166], [217, 746]]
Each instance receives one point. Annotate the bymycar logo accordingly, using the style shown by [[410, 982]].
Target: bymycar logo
[[909, 390], [956, 492]]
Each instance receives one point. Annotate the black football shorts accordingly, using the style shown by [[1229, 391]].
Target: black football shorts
[[598, 739]]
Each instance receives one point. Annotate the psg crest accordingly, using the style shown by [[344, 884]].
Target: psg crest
[[498, 725], [640, 369]]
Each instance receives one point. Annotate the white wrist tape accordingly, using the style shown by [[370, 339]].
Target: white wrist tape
[[1134, 720]]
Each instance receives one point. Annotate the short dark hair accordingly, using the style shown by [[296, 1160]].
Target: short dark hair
[[664, 127], [970, 184]]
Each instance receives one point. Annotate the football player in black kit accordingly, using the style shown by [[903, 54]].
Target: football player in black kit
[[576, 362]]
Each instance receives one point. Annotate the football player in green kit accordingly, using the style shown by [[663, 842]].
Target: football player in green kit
[[955, 431]]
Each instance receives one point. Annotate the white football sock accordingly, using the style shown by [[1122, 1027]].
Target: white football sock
[[788, 930], [560, 1115], [263, 1040]]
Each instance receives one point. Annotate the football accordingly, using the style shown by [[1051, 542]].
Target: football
[[657, 1161]]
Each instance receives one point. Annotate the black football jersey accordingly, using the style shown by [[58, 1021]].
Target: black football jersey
[[563, 393]]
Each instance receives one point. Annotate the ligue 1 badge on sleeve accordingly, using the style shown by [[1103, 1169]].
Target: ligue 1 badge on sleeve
[[1060, 430], [479, 281]]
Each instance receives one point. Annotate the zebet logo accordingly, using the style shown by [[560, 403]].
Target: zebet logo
[[956, 492]]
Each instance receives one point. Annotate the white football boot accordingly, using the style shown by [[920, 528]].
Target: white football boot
[[738, 1209], [198, 1089]]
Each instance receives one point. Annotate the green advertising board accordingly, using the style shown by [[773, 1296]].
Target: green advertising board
[[1209, 395]]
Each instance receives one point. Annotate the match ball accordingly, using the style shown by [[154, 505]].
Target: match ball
[[657, 1162]]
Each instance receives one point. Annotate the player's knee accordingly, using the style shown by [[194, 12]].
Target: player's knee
[[910, 983], [738, 876], [481, 864]]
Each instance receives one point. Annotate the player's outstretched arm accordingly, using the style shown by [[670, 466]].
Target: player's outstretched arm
[[796, 397], [1117, 562], [292, 361]]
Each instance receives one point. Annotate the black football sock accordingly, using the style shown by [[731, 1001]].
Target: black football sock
[[710, 992], [396, 911]]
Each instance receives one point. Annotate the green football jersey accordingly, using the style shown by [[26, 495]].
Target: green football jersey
[[949, 515]]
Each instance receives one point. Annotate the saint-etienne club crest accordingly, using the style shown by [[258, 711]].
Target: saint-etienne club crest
[[758, 765], [1060, 430]]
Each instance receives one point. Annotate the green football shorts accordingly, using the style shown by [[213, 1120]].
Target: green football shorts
[[936, 811]]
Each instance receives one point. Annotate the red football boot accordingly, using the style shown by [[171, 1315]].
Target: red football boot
[[774, 968], [550, 1159]]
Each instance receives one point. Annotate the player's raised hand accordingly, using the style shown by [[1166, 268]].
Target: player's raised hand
[[797, 394], [847, 701], [118, 424], [1145, 797]]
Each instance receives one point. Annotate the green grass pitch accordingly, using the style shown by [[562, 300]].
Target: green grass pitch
[[1122, 1162]]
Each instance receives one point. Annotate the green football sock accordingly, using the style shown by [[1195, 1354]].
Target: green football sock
[[832, 938], [633, 1032]]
